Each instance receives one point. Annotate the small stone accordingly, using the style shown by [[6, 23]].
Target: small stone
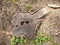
[[53, 5]]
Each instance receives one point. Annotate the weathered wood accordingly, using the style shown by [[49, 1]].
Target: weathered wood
[[25, 24]]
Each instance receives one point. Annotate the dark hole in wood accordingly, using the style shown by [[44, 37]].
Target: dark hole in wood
[[2, 18], [22, 23], [16, 25], [27, 22]]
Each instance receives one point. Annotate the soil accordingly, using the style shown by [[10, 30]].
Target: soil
[[50, 25]]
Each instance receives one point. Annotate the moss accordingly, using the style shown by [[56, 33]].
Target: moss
[[27, 7]]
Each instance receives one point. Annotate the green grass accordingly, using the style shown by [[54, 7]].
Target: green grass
[[14, 1], [27, 7], [15, 40], [38, 41], [36, 0]]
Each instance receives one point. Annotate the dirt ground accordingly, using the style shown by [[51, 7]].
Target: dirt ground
[[50, 25]]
